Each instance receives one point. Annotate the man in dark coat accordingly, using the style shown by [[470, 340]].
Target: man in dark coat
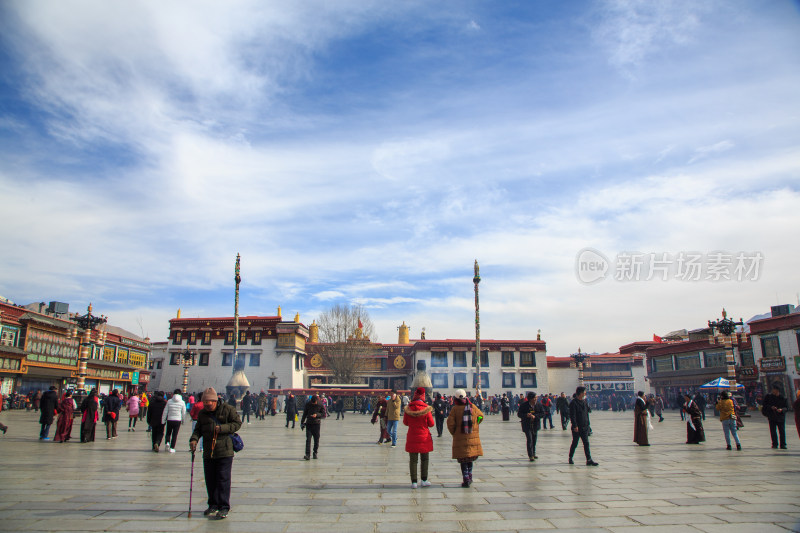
[[313, 413], [439, 413], [48, 407], [291, 410], [111, 414], [640, 420], [215, 425], [339, 407], [579, 418], [531, 414], [562, 407], [154, 414], [700, 400], [775, 407]]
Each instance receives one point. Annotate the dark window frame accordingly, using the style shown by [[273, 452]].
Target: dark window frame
[[460, 359], [768, 340], [523, 355], [460, 380], [528, 375], [507, 359], [202, 360], [484, 380], [710, 359], [257, 359], [439, 356], [484, 359], [681, 360], [440, 380], [509, 383]]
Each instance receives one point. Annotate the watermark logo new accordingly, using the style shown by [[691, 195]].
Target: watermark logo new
[[591, 266]]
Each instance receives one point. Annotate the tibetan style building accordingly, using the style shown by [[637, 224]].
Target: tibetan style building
[[40, 349]]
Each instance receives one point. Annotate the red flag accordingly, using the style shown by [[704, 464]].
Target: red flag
[[360, 325], [656, 338]]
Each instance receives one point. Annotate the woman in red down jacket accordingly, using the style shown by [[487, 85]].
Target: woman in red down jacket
[[418, 417]]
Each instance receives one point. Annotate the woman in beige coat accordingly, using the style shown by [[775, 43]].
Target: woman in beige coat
[[463, 424]]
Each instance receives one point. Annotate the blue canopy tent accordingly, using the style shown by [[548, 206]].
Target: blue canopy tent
[[720, 383]]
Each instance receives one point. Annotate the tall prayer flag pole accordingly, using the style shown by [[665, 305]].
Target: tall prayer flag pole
[[476, 280], [238, 279]]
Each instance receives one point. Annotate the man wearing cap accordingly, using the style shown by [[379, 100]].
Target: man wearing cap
[[215, 424]]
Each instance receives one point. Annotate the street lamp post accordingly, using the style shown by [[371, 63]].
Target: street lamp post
[[580, 361], [186, 358], [724, 332], [88, 322], [477, 279]]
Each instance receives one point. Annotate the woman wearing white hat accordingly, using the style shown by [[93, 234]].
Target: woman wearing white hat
[[463, 424]]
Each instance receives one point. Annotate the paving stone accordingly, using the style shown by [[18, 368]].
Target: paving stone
[[675, 519], [509, 525], [743, 527]]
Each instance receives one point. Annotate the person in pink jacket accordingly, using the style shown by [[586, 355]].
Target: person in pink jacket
[[133, 411], [419, 443]]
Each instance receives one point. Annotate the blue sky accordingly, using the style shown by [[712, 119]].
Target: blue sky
[[370, 151]]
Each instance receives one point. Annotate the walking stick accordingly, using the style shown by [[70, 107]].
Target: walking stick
[[191, 481]]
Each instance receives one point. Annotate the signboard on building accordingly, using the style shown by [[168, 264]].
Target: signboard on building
[[610, 386], [797, 363], [46, 347], [103, 373], [7, 363], [773, 364], [135, 378], [747, 373]]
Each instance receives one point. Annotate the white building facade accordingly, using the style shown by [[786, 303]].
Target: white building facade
[[776, 350], [506, 366], [270, 351]]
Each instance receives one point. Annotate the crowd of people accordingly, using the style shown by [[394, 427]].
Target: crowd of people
[[215, 419]]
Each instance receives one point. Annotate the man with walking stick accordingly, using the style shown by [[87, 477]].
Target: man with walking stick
[[215, 424]]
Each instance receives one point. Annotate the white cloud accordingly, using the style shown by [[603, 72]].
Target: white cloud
[[634, 30], [716, 148], [329, 295]]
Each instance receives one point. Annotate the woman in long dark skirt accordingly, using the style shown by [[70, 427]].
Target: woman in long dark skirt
[[89, 416], [64, 427], [694, 421]]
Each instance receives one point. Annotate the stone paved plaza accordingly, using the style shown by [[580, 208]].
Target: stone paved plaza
[[356, 486]]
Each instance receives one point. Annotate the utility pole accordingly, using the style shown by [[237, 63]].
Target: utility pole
[[477, 279]]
